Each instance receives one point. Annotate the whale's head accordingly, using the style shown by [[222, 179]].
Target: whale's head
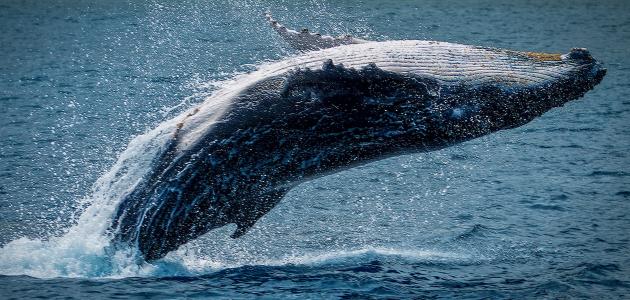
[[510, 90]]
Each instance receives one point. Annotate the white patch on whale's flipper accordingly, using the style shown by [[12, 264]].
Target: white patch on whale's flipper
[[306, 41]]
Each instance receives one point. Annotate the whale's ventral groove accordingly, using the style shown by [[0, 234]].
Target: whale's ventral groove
[[348, 103]]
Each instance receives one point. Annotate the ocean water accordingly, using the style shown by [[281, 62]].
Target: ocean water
[[540, 211]]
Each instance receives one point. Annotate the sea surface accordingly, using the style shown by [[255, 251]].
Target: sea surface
[[540, 211]]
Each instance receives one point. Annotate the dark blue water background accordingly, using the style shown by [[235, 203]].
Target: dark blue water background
[[541, 211]]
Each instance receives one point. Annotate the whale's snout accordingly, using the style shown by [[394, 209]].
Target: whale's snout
[[595, 70], [597, 73]]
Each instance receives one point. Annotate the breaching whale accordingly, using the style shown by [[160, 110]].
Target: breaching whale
[[349, 103]]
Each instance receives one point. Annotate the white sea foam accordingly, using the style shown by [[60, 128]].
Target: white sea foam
[[79, 256], [183, 263], [201, 264], [80, 252]]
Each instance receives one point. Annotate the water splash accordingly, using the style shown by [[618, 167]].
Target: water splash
[[81, 250]]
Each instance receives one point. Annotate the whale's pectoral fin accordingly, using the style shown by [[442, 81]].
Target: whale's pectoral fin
[[254, 209], [306, 41]]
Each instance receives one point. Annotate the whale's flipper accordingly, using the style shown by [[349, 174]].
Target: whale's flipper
[[306, 41], [254, 210]]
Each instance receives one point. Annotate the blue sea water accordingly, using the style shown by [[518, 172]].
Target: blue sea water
[[540, 211]]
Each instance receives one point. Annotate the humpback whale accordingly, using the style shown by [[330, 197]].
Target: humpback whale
[[339, 103]]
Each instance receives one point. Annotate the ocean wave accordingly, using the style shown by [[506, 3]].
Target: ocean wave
[[55, 258]]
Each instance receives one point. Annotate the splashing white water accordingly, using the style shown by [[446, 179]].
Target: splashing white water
[[194, 264], [80, 252]]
